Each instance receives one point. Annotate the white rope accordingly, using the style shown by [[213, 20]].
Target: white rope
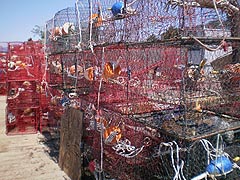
[[28, 73], [102, 128], [236, 166], [79, 27], [214, 153], [223, 29], [91, 26], [120, 80], [76, 73], [31, 61], [125, 149], [219, 18], [101, 124], [44, 79], [45, 39], [131, 3], [211, 151], [178, 164], [89, 111]]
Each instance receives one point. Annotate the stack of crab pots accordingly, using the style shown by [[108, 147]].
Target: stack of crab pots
[[23, 87]]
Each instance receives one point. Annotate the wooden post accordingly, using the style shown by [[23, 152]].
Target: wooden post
[[70, 140]]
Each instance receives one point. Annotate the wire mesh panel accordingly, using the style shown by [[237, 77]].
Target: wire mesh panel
[[52, 107], [137, 21], [24, 60], [23, 93], [92, 23], [61, 31], [139, 74]]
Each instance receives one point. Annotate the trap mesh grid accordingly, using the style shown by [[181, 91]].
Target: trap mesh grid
[[92, 23], [142, 79]]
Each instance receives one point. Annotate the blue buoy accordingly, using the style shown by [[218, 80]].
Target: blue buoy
[[117, 8], [219, 166], [64, 101]]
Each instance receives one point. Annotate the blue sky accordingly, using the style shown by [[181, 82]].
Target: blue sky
[[18, 17]]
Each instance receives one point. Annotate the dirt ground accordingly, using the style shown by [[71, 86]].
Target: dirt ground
[[24, 157]]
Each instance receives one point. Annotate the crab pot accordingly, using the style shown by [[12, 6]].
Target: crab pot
[[22, 120], [142, 21], [148, 161], [23, 87], [51, 110], [24, 60], [23, 107], [112, 22], [23, 93], [230, 81], [61, 31], [147, 103]]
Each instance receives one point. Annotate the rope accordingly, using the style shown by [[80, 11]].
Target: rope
[[79, 27], [211, 151], [131, 3], [236, 166], [44, 79], [178, 166], [214, 153], [224, 32], [101, 126], [125, 149], [91, 25]]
